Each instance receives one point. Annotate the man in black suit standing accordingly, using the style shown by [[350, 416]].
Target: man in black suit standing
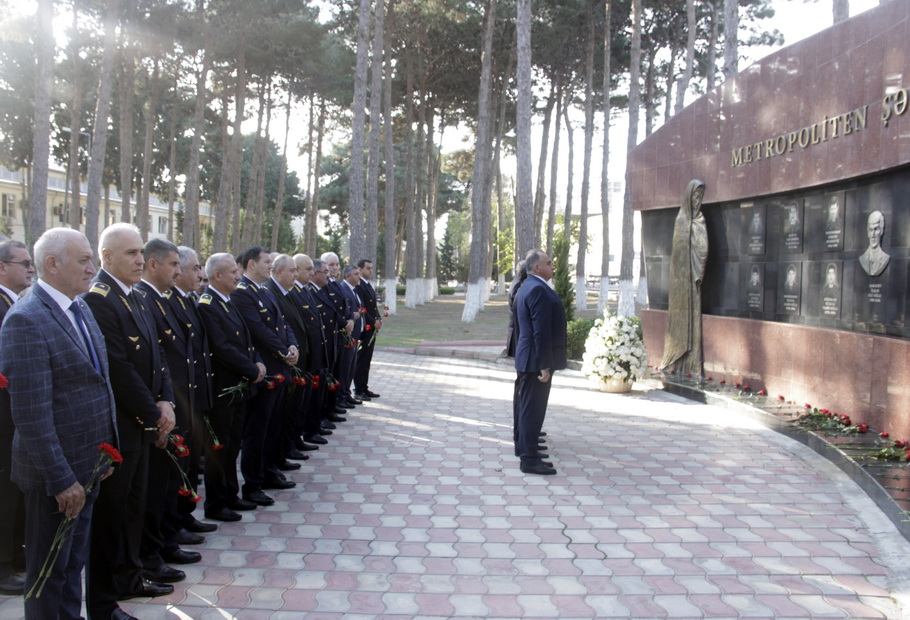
[[335, 296], [541, 350], [372, 325], [52, 352], [280, 284], [234, 362], [145, 413], [277, 346], [334, 323], [349, 355], [316, 361], [16, 271]]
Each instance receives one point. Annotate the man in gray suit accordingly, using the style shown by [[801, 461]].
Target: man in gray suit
[[54, 356]]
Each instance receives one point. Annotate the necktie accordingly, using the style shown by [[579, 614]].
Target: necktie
[[83, 329]]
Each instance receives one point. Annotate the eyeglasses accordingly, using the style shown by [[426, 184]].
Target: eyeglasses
[[25, 263]]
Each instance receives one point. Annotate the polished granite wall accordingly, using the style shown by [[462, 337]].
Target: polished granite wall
[[765, 142]]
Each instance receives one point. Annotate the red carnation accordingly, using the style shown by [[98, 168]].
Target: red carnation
[[709, 379], [807, 406], [763, 392], [883, 434], [862, 427], [4, 382], [185, 491], [369, 327], [195, 498], [723, 381], [385, 314], [178, 439], [270, 385], [110, 450], [218, 446], [279, 378], [780, 397]]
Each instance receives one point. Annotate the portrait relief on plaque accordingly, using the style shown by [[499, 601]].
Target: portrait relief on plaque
[[831, 291], [875, 260], [834, 221], [790, 293], [792, 226], [754, 233], [754, 293]]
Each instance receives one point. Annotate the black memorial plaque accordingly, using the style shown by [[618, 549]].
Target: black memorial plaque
[[754, 229], [831, 290], [753, 289], [833, 207], [789, 296], [791, 217]]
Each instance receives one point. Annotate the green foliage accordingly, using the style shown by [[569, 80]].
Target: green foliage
[[562, 276], [446, 290], [576, 333]]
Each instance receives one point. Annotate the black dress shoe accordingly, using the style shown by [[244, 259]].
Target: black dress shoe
[[164, 574], [362, 397], [342, 407], [259, 498], [181, 557], [316, 439], [186, 537], [307, 447], [119, 614], [296, 455], [371, 394], [336, 418], [279, 485], [199, 527], [288, 466], [148, 589], [354, 400], [241, 505], [222, 514], [537, 455], [543, 433], [326, 425], [537, 468], [12, 584]]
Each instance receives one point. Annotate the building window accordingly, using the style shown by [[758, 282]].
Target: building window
[[162, 224], [8, 206]]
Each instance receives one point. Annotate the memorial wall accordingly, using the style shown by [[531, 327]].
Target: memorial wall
[[806, 158]]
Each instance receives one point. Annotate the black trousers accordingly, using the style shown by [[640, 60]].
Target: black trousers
[[533, 396], [161, 519], [115, 565], [221, 485], [364, 359], [262, 438], [12, 503]]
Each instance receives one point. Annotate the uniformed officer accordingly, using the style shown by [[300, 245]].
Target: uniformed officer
[[317, 353]]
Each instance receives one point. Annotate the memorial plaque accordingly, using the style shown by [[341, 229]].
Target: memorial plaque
[[789, 296], [792, 226], [876, 298], [830, 295], [753, 294], [754, 232], [834, 222]]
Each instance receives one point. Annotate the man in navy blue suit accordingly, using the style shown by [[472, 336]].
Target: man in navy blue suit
[[53, 353], [540, 350]]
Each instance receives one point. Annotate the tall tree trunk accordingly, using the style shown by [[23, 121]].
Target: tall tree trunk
[[431, 284], [603, 298], [151, 118], [247, 236], [259, 197], [372, 201], [524, 209], [570, 182], [669, 79], [497, 168], [236, 159], [310, 148], [36, 222], [391, 224], [74, 176], [420, 168], [540, 191], [712, 43], [841, 10], [127, 99], [649, 92], [222, 207], [626, 291], [99, 133], [191, 236], [692, 32], [554, 170], [581, 294], [314, 207], [731, 38], [172, 165], [358, 109], [282, 174], [482, 146], [411, 258]]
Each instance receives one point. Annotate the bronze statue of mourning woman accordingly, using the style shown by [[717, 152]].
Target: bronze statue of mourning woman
[[683, 343]]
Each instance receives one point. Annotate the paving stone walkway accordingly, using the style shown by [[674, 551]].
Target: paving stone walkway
[[662, 508]]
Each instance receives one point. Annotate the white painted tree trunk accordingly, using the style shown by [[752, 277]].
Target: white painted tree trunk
[[431, 287], [581, 293], [412, 297], [472, 301], [391, 299], [626, 298], [501, 284], [604, 297]]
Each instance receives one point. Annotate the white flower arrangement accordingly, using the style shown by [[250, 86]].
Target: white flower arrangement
[[614, 349]]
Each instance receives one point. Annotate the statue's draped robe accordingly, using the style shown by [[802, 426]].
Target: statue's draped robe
[[683, 343]]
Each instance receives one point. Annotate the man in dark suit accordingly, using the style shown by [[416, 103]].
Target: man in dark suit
[[317, 357], [16, 271], [234, 362], [336, 298], [349, 354], [280, 284], [53, 354], [183, 304], [145, 413], [277, 346], [541, 350], [372, 325], [162, 522], [334, 323]]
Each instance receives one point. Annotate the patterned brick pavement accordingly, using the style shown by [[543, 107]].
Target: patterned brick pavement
[[662, 508]]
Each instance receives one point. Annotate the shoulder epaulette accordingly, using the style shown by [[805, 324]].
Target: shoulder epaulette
[[141, 292], [168, 293], [206, 299], [242, 285], [101, 288]]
